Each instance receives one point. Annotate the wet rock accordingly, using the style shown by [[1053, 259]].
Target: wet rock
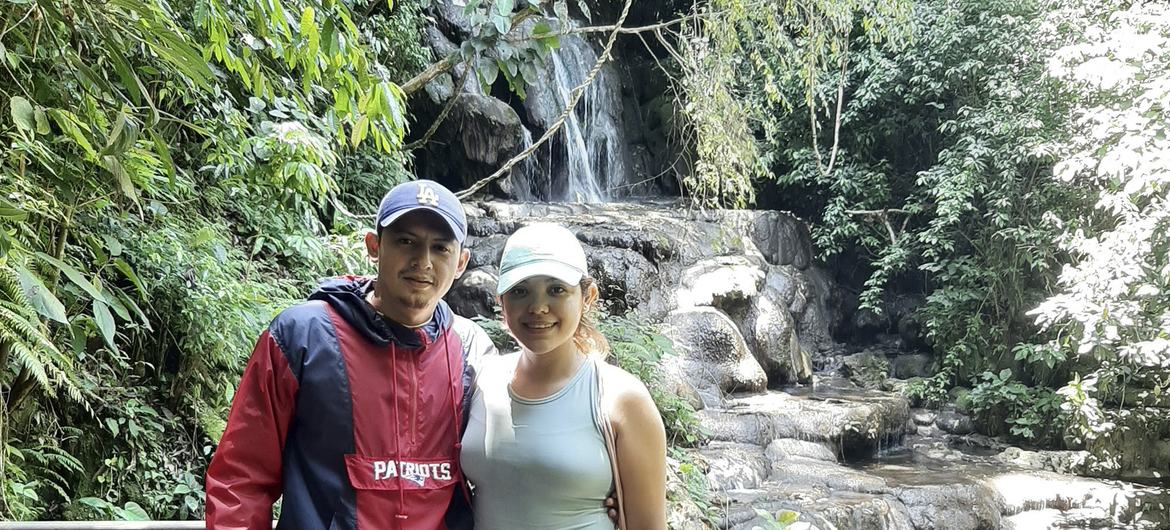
[[782, 239], [713, 351], [954, 422], [485, 250], [855, 422], [625, 277], [955, 507], [735, 465], [866, 369], [770, 333], [923, 417], [787, 448], [912, 365], [738, 427], [1068, 462], [960, 397], [474, 293]]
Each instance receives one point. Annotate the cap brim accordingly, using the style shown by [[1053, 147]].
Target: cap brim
[[560, 271], [451, 223]]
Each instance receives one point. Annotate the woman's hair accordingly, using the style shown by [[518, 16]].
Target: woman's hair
[[588, 338]]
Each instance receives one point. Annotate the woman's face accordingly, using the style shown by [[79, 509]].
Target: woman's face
[[543, 313]]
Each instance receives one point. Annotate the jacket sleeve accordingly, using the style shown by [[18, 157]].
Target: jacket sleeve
[[244, 478]]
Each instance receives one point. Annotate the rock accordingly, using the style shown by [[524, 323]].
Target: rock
[[910, 365], [867, 324], [713, 351], [957, 507], [786, 448], [1067, 462], [770, 333], [485, 250], [720, 282], [474, 293], [782, 239], [923, 417], [735, 466], [790, 285], [854, 422], [960, 396], [626, 278], [866, 369], [954, 422]]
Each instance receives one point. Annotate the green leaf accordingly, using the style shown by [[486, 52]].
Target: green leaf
[[504, 8], [11, 212], [22, 113], [105, 322], [128, 272], [115, 167], [42, 299], [112, 245], [540, 28], [164, 153], [487, 72], [1005, 373], [74, 276], [561, 9], [134, 512], [42, 121]]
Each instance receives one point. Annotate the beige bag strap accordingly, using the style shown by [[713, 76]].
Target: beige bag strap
[[606, 427]]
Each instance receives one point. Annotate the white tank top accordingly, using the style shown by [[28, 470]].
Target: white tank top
[[536, 463]]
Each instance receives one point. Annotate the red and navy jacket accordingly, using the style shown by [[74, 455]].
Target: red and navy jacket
[[354, 419]]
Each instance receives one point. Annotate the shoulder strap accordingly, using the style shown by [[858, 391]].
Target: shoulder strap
[[601, 417]]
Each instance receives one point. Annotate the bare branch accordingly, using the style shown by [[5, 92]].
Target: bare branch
[[883, 215]]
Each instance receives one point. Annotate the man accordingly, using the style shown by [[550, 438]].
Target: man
[[352, 404]]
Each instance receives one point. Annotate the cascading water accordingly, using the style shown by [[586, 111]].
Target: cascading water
[[587, 159]]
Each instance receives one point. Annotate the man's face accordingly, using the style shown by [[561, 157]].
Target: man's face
[[418, 258]]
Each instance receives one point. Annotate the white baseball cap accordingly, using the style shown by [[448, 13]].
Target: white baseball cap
[[541, 249]]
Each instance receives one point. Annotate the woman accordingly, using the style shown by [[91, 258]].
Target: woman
[[536, 447]]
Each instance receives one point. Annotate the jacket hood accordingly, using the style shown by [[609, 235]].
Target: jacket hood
[[347, 296]]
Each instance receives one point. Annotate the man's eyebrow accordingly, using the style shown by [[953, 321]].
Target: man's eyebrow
[[410, 233]]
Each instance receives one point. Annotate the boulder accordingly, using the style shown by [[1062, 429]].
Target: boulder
[[626, 278], [713, 351], [770, 332], [866, 369], [474, 293], [722, 282], [954, 422], [906, 366], [485, 250]]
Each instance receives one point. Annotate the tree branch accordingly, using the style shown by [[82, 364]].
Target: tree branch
[[574, 96], [455, 93], [884, 216]]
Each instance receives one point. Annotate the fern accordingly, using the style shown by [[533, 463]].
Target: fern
[[28, 342]]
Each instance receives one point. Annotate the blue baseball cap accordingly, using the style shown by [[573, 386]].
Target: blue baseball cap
[[423, 195], [541, 249]]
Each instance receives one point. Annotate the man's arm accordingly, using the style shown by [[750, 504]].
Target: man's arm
[[244, 477]]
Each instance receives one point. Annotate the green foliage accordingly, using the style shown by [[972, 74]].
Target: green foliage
[[1029, 413], [639, 348], [777, 521], [165, 167]]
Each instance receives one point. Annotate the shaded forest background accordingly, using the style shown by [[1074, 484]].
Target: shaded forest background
[[174, 172]]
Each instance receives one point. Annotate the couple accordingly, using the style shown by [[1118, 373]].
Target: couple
[[372, 406]]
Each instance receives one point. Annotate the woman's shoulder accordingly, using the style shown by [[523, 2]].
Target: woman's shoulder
[[495, 368]]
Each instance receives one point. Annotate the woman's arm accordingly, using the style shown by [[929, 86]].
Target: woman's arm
[[641, 449]]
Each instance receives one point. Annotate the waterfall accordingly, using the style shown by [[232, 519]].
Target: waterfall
[[587, 159]]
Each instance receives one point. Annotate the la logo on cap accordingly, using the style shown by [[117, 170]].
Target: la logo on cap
[[426, 195]]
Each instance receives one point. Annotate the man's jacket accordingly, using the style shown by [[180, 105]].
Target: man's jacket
[[354, 419]]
